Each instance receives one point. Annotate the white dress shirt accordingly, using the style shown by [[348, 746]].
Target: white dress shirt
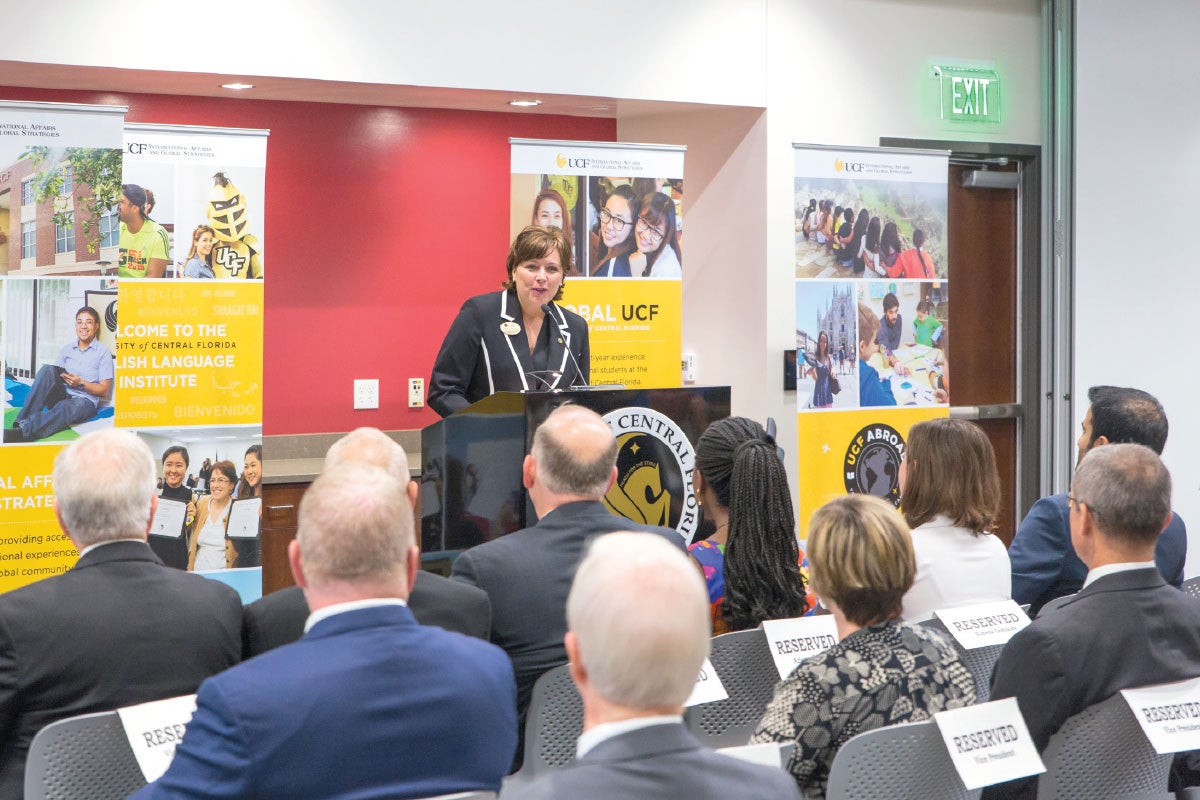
[[955, 567]]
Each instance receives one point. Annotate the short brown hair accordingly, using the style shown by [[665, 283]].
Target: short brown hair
[[537, 242], [868, 324], [861, 557], [951, 470]]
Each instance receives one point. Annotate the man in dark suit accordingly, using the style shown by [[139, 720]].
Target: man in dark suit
[[1044, 564], [1126, 627], [527, 574], [278, 618], [368, 703], [119, 628], [638, 633]]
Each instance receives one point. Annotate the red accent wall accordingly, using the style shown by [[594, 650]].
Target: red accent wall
[[380, 221]]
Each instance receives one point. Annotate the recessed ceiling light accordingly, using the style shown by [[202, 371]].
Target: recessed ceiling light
[[524, 103], [237, 86], [600, 108]]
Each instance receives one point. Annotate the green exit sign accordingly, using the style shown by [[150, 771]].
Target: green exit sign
[[968, 95]]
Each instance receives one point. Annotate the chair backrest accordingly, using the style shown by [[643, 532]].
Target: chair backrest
[[979, 662], [899, 762], [743, 662], [480, 795], [1192, 587], [553, 723], [1101, 752], [82, 758]]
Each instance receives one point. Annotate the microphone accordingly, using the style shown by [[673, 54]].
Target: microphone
[[546, 309]]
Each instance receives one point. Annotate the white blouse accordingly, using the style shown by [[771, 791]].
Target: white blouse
[[955, 567]]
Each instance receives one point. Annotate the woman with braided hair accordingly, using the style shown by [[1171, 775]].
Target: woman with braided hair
[[752, 564]]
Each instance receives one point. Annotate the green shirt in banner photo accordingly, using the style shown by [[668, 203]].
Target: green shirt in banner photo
[[138, 248]]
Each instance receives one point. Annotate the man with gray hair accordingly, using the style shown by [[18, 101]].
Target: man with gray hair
[[368, 703], [527, 574], [278, 618], [119, 628], [1126, 627], [638, 633]]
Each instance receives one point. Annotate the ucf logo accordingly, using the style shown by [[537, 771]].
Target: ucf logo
[[654, 471], [228, 258]]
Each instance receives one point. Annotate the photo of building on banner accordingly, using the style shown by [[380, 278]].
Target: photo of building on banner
[[622, 209], [60, 181], [195, 204], [872, 213]]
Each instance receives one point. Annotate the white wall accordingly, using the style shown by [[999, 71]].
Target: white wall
[[1137, 285], [707, 51]]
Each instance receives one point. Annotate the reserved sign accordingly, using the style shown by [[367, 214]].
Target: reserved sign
[[989, 743], [154, 731], [793, 640], [708, 689], [1169, 714], [984, 624]]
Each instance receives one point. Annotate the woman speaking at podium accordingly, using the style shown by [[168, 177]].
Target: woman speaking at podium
[[517, 339]]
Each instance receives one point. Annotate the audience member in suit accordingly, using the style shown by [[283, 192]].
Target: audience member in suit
[[1044, 562], [882, 671], [278, 618], [1126, 627], [119, 628], [638, 633], [527, 574], [368, 703]]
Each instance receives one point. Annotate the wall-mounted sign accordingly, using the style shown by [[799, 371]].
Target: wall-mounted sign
[[968, 94]]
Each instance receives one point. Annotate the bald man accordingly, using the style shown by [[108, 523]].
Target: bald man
[[527, 574], [278, 618]]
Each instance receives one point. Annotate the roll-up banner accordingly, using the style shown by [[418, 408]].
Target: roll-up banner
[[190, 344], [621, 206], [182, 257], [872, 301], [60, 179]]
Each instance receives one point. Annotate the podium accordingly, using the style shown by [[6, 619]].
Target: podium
[[471, 486]]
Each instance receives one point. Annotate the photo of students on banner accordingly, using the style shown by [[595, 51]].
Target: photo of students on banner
[[205, 189], [58, 377], [209, 516], [635, 227], [826, 345], [903, 344], [870, 213]]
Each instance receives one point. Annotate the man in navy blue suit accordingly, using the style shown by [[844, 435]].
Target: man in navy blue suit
[[368, 703], [1044, 563]]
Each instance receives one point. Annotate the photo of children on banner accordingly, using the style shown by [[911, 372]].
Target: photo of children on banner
[[58, 377], [869, 229], [902, 364], [825, 324], [635, 228]]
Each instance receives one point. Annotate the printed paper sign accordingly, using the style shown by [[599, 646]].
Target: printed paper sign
[[155, 730], [709, 688], [984, 624], [770, 754], [793, 640], [1169, 714], [989, 743], [169, 518], [244, 518]]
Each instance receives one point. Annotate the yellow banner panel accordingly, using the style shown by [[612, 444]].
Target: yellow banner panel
[[30, 551], [26, 493], [853, 451], [189, 353], [634, 328]]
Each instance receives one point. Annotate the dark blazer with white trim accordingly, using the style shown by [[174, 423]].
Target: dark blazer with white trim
[[478, 359]]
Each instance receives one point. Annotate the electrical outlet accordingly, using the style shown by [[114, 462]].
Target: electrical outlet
[[366, 393], [688, 364], [416, 392]]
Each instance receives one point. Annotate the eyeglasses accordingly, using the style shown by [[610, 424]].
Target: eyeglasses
[[1074, 502], [616, 222], [652, 233]]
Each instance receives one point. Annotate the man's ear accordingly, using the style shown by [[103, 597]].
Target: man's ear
[[574, 662], [612, 478], [413, 489], [529, 471], [153, 511], [297, 564], [1099, 440]]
